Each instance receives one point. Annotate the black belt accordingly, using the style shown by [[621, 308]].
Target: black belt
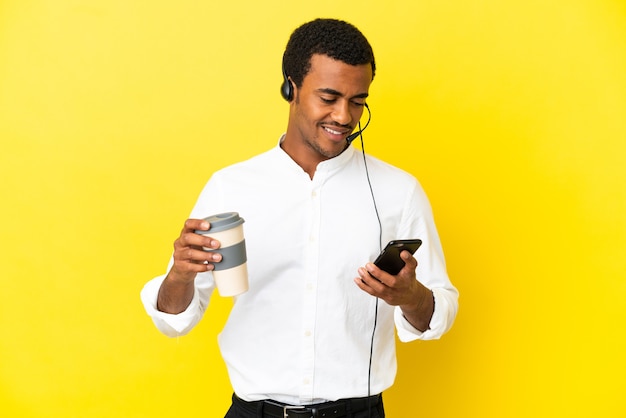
[[335, 409]]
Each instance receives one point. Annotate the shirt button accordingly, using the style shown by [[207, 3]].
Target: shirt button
[[307, 333]]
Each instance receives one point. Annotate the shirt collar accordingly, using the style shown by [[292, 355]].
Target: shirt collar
[[327, 166]]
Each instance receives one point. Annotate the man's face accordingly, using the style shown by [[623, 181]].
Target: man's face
[[327, 108]]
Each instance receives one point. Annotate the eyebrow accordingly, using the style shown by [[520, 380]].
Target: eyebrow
[[336, 93]]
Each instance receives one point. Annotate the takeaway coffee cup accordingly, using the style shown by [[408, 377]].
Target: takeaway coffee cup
[[231, 274]]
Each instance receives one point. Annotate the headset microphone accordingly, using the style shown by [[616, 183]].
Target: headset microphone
[[354, 135]]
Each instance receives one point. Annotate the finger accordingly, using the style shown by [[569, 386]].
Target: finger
[[188, 236], [192, 224], [409, 261], [380, 275], [194, 255], [191, 239], [359, 281], [188, 267], [371, 281]]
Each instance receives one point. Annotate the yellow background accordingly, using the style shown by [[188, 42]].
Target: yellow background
[[113, 114]]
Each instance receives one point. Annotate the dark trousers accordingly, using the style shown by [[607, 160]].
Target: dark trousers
[[242, 409]]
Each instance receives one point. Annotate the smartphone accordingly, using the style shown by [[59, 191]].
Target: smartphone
[[389, 260]]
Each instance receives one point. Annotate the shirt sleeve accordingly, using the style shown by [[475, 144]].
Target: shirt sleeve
[[443, 317], [174, 325], [431, 271]]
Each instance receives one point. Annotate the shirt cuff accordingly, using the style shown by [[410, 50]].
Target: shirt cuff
[[172, 325], [439, 323]]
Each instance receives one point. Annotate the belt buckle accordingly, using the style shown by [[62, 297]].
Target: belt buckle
[[286, 409]]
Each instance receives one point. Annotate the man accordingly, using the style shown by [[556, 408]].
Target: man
[[314, 334]]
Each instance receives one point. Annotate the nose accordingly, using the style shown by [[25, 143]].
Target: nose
[[341, 112]]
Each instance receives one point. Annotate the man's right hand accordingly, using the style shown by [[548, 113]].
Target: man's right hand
[[189, 259]]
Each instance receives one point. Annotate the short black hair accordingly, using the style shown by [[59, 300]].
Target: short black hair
[[337, 39]]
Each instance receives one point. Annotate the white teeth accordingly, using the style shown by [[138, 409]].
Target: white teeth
[[332, 132]]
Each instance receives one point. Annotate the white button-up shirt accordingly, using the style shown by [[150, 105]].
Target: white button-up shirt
[[302, 332]]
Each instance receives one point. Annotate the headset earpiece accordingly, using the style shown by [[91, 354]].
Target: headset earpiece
[[286, 89]]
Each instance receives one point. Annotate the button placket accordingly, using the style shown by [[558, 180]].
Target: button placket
[[309, 312]]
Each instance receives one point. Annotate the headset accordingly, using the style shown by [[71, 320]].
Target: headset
[[286, 89]]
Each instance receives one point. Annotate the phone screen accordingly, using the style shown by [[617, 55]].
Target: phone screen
[[389, 260]]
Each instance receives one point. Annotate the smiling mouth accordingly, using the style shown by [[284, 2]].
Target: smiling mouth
[[336, 132]]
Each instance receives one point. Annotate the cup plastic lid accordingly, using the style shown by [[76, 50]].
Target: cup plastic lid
[[222, 222]]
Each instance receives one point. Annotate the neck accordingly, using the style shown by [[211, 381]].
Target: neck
[[302, 158]]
